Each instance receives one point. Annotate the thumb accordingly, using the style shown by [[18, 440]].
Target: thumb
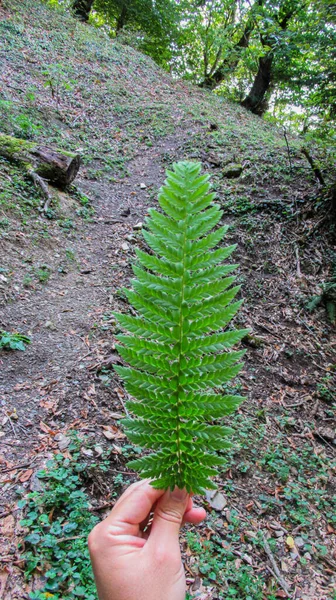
[[168, 517]]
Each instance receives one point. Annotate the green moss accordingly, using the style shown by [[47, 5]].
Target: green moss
[[70, 154], [14, 148]]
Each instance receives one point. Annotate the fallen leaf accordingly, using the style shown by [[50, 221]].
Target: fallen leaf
[[48, 404], [26, 475], [108, 434], [290, 542], [62, 441], [46, 429], [3, 580], [113, 433]]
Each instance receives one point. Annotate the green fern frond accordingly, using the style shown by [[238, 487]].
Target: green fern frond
[[176, 346]]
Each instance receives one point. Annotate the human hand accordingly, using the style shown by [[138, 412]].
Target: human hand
[[131, 562]]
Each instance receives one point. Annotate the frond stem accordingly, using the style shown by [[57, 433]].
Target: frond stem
[[179, 387]]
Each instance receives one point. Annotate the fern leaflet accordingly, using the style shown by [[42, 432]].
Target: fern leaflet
[[176, 346]]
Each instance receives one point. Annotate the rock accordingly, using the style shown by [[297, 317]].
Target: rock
[[299, 542], [279, 533], [87, 451], [125, 246], [130, 238], [216, 499], [138, 225], [35, 484], [233, 170], [50, 325], [126, 212], [213, 159], [143, 186], [86, 271]]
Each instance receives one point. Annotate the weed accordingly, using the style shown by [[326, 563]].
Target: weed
[[58, 521], [66, 224], [218, 567], [86, 213], [43, 273], [325, 389], [27, 281], [70, 254], [13, 341]]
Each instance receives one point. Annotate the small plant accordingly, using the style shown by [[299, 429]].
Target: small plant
[[183, 295], [13, 341], [326, 297], [43, 273], [58, 521]]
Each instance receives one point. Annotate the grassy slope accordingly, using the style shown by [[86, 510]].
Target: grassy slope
[[66, 84]]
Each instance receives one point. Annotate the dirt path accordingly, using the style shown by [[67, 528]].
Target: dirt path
[[64, 378], [64, 318]]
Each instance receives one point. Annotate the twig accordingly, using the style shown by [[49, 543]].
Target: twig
[[276, 573], [17, 467], [288, 150], [44, 187], [267, 329], [12, 426], [123, 403], [315, 407], [298, 266], [67, 539], [295, 405], [316, 169], [9, 512], [102, 506]]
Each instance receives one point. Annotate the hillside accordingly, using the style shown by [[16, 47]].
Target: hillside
[[67, 85]]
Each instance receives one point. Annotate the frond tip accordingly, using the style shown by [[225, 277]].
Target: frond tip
[[176, 346]]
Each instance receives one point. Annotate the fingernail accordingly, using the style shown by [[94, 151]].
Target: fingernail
[[179, 495]]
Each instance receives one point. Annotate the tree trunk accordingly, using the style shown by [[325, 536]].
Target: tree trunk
[[215, 78], [54, 166], [122, 19], [255, 100], [82, 8]]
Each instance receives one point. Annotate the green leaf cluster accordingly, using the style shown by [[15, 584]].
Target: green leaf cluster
[[58, 521], [179, 354], [13, 341]]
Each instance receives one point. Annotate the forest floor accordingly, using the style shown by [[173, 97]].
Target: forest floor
[[270, 530]]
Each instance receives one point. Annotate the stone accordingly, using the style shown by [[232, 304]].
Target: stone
[[299, 542], [125, 212], [279, 533], [216, 499], [143, 186], [125, 246], [138, 225], [232, 171]]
